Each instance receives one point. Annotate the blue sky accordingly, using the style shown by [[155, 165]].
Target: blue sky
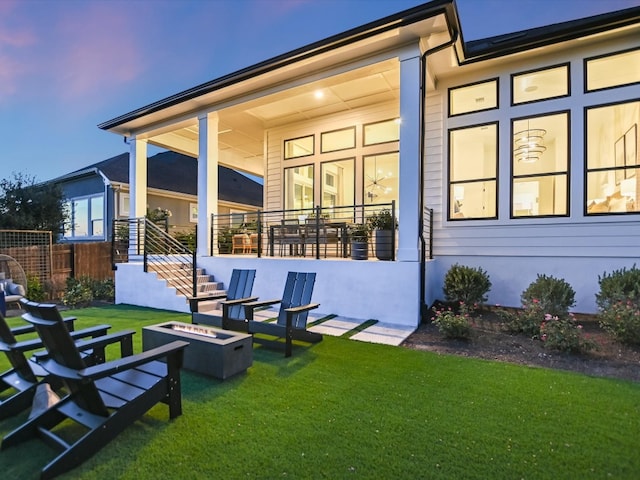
[[67, 65]]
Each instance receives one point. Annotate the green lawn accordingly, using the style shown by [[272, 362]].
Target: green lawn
[[343, 409]]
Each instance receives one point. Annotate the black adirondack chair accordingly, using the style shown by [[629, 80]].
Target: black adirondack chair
[[24, 375], [238, 293], [104, 398], [294, 310]]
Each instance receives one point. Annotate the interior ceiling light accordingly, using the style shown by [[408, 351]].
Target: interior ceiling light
[[319, 94], [529, 145]]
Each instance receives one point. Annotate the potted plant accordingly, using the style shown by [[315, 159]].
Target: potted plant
[[384, 224], [359, 234]]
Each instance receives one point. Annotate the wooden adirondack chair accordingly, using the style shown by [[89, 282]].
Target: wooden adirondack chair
[[104, 399], [24, 376], [294, 310], [239, 292]]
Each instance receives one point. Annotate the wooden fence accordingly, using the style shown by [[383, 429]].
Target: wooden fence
[[67, 260]]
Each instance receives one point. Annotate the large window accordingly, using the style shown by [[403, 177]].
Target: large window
[[86, 217], [473, 159], [381, 178], [612, 70], [540, 166], [611, 142], [298, 187], [338, 185], [473, 98]]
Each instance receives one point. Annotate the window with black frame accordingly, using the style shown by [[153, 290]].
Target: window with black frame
[[473, 172], [613, 166], [540, 166]]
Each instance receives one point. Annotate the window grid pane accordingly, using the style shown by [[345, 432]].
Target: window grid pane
[[473, 160], [612, 159]]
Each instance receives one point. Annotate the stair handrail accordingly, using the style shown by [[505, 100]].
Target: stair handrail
[[159, 250]]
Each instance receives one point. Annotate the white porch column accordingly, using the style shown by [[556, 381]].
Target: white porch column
[[207, 178], [137, 187], [137, 178], [408, 215]]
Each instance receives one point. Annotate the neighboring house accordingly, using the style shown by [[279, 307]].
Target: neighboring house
[[523, 146], [101, 191]]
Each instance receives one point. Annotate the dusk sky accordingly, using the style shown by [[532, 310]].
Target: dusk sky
[[68, 65]]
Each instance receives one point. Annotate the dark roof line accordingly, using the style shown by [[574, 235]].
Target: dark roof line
[[474, 51], [501, 45], [174, 172], [376, 27]]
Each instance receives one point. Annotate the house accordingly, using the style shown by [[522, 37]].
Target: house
[[101, 191], [517, 154]]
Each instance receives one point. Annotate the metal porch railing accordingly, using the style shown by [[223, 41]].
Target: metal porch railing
[[306, 232]]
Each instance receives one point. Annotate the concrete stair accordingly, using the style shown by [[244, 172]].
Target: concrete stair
[[179, 277]]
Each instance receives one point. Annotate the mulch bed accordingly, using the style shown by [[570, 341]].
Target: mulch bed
[[489, 341]]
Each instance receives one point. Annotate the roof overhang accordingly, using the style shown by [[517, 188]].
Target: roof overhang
[[410, 26]]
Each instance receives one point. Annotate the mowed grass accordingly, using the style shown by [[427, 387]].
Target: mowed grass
[[346, 409]]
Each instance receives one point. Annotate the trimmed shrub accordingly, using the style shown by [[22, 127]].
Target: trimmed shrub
[[619, 304], [466, 285], [620, 285], [526, 321], [554, 295], [80, 292], [453, 325], [565, 335], [104, 290], [35, 290]]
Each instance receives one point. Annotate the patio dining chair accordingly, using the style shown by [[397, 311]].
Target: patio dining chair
[[289, 234], [319, 233]]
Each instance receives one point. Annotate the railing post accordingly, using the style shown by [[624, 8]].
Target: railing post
[[393, 230], [145, 246], [113, 244], [259, 233], [194, 270], [317, 239]]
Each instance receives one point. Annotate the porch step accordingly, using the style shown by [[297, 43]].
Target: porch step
[[210, 288], [179, 275]]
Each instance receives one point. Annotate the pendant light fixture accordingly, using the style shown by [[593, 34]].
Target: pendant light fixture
[[529, 144]]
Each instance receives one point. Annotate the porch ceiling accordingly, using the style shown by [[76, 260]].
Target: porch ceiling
[[350, 75], [241, 127]]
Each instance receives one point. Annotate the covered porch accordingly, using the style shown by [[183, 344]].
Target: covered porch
[[333, 127]]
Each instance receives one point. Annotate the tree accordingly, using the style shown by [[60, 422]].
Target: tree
[[25, 205]]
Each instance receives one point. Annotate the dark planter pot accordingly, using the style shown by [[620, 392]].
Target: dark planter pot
[[359, 251], [384, 244]]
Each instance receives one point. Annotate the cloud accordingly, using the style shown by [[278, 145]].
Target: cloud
[[98, 50], [70, 51], [15, 38]]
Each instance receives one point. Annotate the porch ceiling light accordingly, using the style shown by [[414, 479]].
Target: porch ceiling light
[[529, 144]]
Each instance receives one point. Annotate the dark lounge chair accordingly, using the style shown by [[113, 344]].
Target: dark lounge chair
[[24, 375], [294, 311], [104, 399], [239, 292]]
